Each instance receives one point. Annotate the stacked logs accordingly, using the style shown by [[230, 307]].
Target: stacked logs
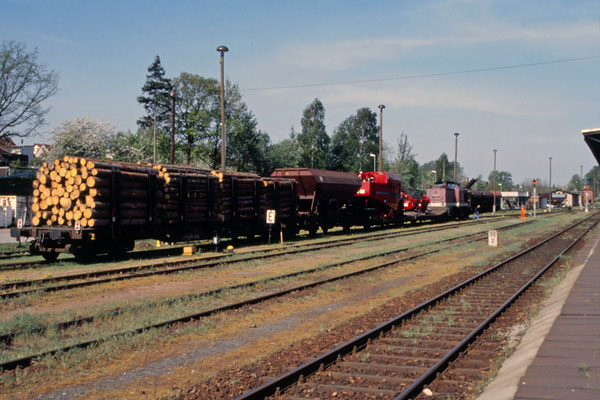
[[77, 189], [94, 193]]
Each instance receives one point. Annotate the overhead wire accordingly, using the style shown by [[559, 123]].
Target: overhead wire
[[418, 76]]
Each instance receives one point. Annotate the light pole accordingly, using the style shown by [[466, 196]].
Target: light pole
[[550, 192], [499, 184], [374, 160], [172, 94], [381, 107], [455, 153], [433, 173], [534, 182], [362, 139], [154, 136], [494, 206], [222, 49], [581, 185]]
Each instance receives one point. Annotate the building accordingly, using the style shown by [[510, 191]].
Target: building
[[513, 200], [563, 198], [37, 150]]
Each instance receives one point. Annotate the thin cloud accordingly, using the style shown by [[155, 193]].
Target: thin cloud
[[58, 40], [346, 54]]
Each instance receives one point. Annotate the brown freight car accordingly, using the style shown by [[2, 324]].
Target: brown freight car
[[325, 198]]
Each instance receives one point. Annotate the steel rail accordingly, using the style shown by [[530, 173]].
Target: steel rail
[[415, 388], [291, 377], [26, 361], [171, 267], [29, 263]]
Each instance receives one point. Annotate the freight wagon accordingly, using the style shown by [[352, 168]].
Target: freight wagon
[[88, 207]]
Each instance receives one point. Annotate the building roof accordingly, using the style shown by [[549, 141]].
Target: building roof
[[592, 138], [5, 141]]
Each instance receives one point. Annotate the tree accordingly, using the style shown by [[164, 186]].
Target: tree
[[405, 164], [285, 154], [353, 140], [24, 86], [197, 111], [503, 177], [248, 147], [155, 99], [81, 137], [313, 141], [575, 183], [127, 146], [84, 137]]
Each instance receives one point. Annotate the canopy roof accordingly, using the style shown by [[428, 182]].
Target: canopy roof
[[592, 138]]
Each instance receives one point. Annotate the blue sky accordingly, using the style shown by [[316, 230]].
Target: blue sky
[[102, 49]]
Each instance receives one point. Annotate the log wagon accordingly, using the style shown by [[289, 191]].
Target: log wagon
[[88, 207]]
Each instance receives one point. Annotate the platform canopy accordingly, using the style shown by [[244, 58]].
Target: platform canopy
[[592, 138]]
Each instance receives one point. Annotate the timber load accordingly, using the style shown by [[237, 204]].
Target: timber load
[[118, 200]]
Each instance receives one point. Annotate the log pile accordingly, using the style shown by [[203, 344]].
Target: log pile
[[75, 189], [94, 193]]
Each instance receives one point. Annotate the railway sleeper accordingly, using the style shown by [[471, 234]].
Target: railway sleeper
[[329, 390], [361, 380], [380, 369], [408, 342], [439, 329], [422, 351]]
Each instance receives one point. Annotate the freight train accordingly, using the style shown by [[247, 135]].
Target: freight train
[[87, 207]]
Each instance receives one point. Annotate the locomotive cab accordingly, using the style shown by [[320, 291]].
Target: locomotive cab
[[448, 198]]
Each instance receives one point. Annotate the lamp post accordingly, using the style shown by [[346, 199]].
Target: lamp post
[[154, 135], [550, 191], [433, 173], [172, 94], [381, 107], [499, 184], [581, 184], [494, 206], [362, 139], [374, 160], [222, 49], [534, 182], [455, 153]]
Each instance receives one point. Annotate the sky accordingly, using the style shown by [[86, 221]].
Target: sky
[[349, 54]]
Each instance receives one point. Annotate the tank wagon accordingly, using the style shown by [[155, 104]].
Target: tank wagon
[[88, 207]]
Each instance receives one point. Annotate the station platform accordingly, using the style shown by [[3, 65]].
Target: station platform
[[559, 355]]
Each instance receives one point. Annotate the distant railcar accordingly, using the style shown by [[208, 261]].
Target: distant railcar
[[381, 193], [325, 198]]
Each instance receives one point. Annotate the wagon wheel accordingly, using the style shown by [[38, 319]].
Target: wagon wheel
[[50, 257]]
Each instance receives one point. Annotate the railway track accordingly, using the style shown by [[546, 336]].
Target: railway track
[[90, 278], [177, 250], [403, 356], [6, 339]]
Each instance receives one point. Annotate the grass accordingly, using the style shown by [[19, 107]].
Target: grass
[[152, 309], [585, 371]]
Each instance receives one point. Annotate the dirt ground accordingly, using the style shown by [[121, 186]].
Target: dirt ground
[[187, 359]]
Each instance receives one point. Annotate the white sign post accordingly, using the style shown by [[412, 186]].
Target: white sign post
[[493, 238], [270, 220]]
